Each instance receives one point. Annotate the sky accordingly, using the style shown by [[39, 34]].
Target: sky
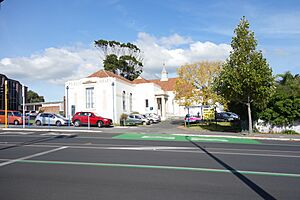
[[45, 43]]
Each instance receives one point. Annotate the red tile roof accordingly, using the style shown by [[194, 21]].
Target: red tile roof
[[165, 85], [168, 85], [140, 80], [103, 74]]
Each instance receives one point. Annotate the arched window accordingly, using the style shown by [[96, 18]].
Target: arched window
[[130, 102], [123, 101]]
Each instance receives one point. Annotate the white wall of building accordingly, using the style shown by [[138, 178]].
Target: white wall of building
[[108, 97], [123, 86], [147, 91]]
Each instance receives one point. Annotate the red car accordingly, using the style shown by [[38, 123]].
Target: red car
[[85, 118]]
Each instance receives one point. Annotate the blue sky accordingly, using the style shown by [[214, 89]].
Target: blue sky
[[45, 43]]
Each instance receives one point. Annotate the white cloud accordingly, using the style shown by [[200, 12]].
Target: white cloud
[[54, 65], [158, 51], [175, 40], [58, 65]]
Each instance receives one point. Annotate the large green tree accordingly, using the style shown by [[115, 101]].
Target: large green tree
[[284, 107], [124, 59], [246, 76], [33, 97]]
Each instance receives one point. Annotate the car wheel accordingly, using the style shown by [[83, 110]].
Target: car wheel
[[58, 123], [100, 124], [38, 123], [151, 121], [77, 123], [16, 122]]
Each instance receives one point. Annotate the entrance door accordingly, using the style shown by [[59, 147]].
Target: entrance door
[[159, 107]]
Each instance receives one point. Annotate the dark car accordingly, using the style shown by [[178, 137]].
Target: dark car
[[85, 118], [224, 117]]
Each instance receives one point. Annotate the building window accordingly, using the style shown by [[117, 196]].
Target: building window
[[147, 103], [123, 101], [130, 102], [89, 97]]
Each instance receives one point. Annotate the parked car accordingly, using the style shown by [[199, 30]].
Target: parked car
[[192, 118], [31, 113], [139, 117], [154, 118], [233, 115], [13, 117], [132, 120], [50, 119], [85, 118], [224, 117]]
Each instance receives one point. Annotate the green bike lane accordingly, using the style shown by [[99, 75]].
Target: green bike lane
[[183, 138]]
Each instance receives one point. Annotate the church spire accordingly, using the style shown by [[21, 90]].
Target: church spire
[[164, 73]]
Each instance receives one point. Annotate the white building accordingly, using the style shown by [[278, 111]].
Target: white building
[[110, 95]]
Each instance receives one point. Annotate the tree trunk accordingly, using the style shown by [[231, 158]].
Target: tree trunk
[[249, 118]]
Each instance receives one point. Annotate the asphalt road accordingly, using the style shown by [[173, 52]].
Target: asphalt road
[[37, 165]]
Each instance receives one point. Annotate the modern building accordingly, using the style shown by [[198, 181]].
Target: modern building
[[110, 95], [53, 107], [14, 97]]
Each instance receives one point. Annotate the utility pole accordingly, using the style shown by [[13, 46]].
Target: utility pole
[[23, 98], [5, 100]]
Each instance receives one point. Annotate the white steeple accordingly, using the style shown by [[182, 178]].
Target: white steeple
[[164, 74]]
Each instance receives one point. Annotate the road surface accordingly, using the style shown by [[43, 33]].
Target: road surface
[[131, 165]]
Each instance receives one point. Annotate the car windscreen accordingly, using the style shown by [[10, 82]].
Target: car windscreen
[[16, 113], [97, 115], [59, 116]]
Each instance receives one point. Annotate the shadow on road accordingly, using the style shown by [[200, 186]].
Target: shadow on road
[[261, 192], [35, 141]]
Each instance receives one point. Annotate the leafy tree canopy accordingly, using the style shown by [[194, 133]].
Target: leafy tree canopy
[[33, 97], [246, 76], [284, 106], [194, 84], [124, 59]]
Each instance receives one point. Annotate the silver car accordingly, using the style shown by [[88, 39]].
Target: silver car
[[50, 119]]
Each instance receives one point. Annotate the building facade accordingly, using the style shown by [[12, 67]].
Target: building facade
[[14, 95], [110, 95]]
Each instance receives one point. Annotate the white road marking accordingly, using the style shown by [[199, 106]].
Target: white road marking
[[124, 127], [15, 133], [56, 134], [244, 137], [161, 148], [159, 137], [208, 139], [31, 156], [149, 148]]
